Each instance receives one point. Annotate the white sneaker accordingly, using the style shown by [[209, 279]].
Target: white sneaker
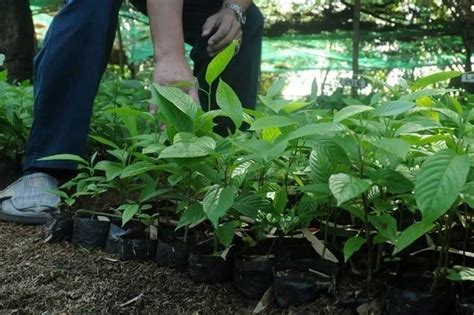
[[29, 200]]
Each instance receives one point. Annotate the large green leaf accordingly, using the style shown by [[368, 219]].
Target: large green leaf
[[112, 169], [189, 147], [220, 62], [351, 111], [395, 182], [174, 116], [434, 78], [102, 140], [439, 182], [192, 215], [225, 234], [272, 122], [65, 157], [461, 273], [180, 99], [250, 205], [411, 234], [276, 88], [229, 102], [217, 202], [386, 225], [313, 130], [129, 117], [320, 166], [353, 245], [468, 194], [345, 187], [418, 126], [396, 147], [281, 200], [393, 108], [129, 211], [138, 168]]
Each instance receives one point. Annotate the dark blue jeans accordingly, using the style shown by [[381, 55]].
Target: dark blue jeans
[[69, 67]]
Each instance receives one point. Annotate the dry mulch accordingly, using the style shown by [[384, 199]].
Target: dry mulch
[[55, 278]]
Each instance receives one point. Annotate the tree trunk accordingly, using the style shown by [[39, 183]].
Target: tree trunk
[[355, 43], [17, 39]]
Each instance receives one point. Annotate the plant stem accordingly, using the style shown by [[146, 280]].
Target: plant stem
[[209, 100], [216, 244], [368, 237], [379, 257]]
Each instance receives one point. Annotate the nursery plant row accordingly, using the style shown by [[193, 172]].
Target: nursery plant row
[[295, 194]]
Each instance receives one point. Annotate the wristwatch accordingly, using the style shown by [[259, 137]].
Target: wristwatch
[[241, 16]]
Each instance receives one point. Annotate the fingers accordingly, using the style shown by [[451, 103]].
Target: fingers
[[225, 26], [209, 26], [234, 33]]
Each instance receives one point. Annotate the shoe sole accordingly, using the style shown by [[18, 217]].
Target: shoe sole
[[23, 220]]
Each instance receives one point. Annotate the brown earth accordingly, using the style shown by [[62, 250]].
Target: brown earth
[[55, 278]]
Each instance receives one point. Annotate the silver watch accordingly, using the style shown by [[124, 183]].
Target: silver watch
[[241, 16]]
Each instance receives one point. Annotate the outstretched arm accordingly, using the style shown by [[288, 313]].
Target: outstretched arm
[[226, 26], [168, 43]]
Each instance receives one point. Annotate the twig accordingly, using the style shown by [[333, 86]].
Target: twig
[[138, 297]]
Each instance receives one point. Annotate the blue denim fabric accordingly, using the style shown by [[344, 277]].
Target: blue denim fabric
[[68, 69]]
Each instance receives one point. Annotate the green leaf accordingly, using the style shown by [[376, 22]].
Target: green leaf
[[174, 117], [189, 147], [320, 166], [397, 147], [411, 234], [193, 215], [417, 126], [393, 108], [272, 122], [425, 93], [353, 245], [351, 111], [112, 169], [129, 117], [137, 168], [119, 154], [386, 225], [276, 88], [105, 141], [65, 157], [461, 273], [295, 105], [395, 182], [281, 200], [229, 102], [220, 62], [434, 78], [468, 194], [345, 187], [217, 202], [180, 99], [313, 130], [129, 211], [439, 183], [251, 204], [225, 234]]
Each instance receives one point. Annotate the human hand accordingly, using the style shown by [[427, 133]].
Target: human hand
[[171, 70], [227, 27]]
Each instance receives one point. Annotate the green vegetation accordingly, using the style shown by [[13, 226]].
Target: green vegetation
[[397, 164]]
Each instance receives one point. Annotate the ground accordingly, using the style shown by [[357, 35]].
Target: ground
[[36, 277]]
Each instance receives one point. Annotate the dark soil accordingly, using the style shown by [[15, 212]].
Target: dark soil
[[36, 277]]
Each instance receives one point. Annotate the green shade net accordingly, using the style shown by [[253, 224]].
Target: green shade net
[[331, 51]]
